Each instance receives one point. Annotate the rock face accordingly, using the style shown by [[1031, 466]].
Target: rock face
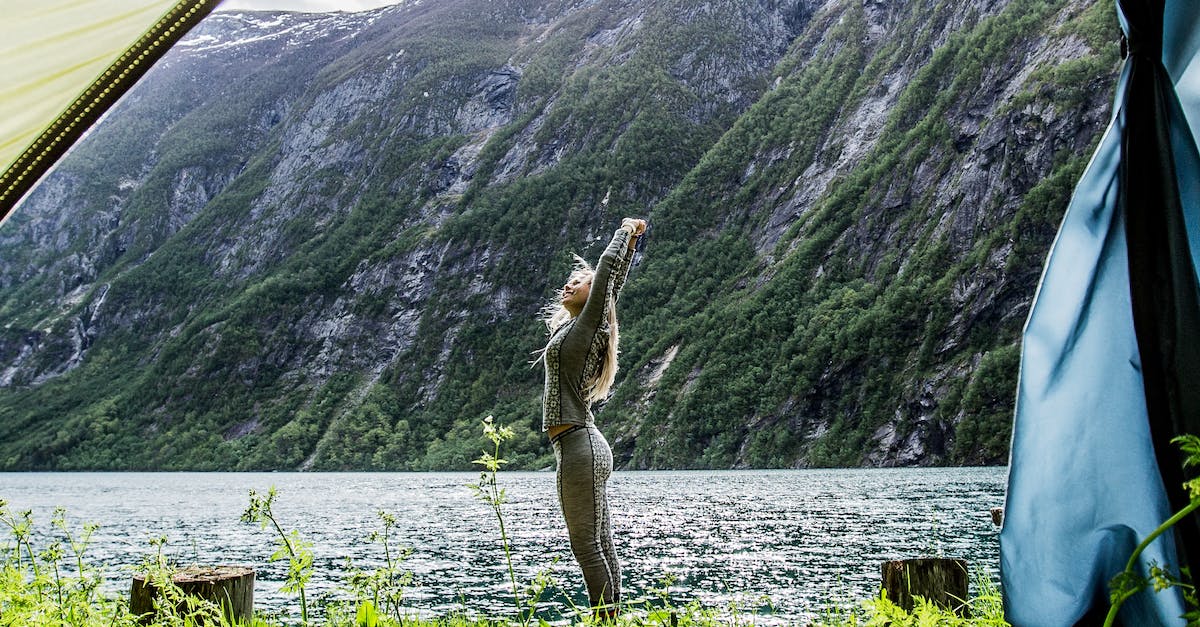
[[321, 241]]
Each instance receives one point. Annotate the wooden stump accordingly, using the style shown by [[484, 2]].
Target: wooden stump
[[939, 581], [230, 587]]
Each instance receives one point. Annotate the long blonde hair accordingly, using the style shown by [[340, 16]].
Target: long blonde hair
[[555, 315]]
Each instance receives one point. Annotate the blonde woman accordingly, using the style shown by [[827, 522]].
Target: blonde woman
[[581, 362]]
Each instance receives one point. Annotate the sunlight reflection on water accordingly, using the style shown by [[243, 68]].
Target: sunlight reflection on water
[[804, 538]]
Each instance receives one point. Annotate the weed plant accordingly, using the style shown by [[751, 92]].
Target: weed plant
[[297, 551], [1130, 581], [382, 590], [489, 491], [984, 609]]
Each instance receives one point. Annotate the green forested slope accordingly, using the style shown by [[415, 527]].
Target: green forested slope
[[331, 258]]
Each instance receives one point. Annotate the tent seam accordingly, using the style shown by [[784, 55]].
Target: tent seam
[[96, 99]]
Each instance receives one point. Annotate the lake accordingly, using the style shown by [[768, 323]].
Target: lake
[[805, 539]]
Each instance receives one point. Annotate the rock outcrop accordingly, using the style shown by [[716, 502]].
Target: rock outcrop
[[321, 241]]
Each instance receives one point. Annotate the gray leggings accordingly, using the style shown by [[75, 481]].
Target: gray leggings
[[584, 465]]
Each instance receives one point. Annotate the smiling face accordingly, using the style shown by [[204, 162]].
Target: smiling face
[[575, 292]]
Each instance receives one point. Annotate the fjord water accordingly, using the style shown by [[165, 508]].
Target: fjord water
[[785, 542]]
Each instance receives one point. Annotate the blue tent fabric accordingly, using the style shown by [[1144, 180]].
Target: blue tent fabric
[[1084, 481], [1163, 285]]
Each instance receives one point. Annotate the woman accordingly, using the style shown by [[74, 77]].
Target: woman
[[581, 362]]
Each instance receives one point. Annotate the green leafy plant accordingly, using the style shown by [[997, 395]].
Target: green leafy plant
[[535, 590], [985, 609], [1130, 582], [489, 491], [173, 607], [382, 590], [55, 585], [21, 527], [290, 545]]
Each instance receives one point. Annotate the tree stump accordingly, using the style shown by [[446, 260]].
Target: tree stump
[[940, 581], [230, 587]]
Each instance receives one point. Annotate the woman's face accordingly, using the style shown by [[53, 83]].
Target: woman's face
[[575, 292]]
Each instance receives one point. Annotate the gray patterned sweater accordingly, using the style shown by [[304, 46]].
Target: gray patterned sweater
[[576, 349]]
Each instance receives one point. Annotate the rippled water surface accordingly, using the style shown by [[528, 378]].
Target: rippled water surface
[[804, 538]]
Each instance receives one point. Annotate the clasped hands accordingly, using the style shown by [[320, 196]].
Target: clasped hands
[[635, 226]]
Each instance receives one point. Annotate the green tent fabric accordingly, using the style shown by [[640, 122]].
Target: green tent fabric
[[65, 62], [53, 50]]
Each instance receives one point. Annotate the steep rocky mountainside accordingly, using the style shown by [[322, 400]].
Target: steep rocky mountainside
[[321, 241]]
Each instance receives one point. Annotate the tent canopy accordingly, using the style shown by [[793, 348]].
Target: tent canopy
[[65, 63]]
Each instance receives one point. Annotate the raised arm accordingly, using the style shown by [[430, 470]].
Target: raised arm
[[621, 270], [610, 273], [637, 228]]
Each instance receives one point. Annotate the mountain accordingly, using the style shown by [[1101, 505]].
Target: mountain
[[321, 241]]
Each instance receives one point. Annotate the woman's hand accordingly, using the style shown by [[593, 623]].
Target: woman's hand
[[635, 226]]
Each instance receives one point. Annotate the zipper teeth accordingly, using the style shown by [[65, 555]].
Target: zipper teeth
[[66, 129]]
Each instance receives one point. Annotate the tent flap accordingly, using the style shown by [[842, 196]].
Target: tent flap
[[79, 53], [1109, 350]]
